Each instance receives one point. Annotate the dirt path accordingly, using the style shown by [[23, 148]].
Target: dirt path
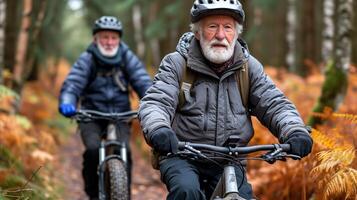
[[146, 183]]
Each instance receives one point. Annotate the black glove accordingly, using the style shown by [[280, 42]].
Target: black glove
[[164, 140], [300, 142]]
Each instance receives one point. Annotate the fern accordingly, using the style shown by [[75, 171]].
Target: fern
[[23, 121], [350, 117], [343, 182], [323, 140], [7, 92], [335, 173]]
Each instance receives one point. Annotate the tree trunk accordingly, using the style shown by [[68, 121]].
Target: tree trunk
[[335, 85], [31, 71], [291, 35], [21, 49], [328, 30], [2, 36], [12, 18], [308, 37], [138, 30], [154, 42], [354, 45]]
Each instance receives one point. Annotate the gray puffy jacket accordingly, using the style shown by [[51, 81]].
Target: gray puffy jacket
[[213, 110]]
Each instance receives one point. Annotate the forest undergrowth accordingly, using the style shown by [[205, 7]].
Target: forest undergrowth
[[29, 143]]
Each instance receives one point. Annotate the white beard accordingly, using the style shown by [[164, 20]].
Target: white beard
[[217, 55], [107, 53]]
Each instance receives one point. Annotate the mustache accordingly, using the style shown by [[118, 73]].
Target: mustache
[[216, 42]]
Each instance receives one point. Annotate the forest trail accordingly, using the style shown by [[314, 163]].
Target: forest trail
[[146, 184]]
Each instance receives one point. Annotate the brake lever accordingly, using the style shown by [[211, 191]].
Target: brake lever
[[195, 152], [295, 157], [274, 155], [271, 157]]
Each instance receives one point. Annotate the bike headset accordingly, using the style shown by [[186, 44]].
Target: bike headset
[[202, 8], [108, 23]]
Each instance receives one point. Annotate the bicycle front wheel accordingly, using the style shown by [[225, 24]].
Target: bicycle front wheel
[[117, 180]]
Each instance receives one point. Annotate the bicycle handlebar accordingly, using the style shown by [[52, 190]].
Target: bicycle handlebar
[[276, 151], [82, 115], [240, 150]]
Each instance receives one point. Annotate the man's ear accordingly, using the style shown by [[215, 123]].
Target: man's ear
[[197, 35], [95, 39]]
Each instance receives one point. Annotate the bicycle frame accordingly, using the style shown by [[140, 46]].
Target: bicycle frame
[[112, 167], [227, 185]]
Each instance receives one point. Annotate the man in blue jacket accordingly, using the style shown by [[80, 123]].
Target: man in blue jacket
[[99, 80]]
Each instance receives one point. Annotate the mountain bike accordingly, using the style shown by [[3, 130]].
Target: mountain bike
[[113, 176], [227, 187]]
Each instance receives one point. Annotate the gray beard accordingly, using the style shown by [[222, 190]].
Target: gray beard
[[217, 56], [107, 53]]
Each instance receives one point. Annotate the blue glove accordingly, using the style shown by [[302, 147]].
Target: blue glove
[[67, 109], [300, 142], [164, 140]]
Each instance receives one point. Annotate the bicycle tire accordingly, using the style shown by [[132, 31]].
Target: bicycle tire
[[117, 180]]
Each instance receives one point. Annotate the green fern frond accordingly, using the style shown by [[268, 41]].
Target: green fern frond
[[7, 92], [23, 122]]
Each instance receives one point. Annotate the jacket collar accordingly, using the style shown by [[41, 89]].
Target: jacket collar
[[104, 61]]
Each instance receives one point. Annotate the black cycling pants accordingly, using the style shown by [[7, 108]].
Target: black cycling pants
[[91, 133], [187, 180]]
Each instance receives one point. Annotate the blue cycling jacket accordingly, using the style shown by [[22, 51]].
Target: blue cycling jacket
[[101, 83]]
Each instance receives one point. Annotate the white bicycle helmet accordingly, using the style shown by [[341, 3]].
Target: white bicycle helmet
[[202, 8], [107, 23]]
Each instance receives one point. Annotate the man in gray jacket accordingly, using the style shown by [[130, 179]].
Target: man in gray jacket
[[213, 109]]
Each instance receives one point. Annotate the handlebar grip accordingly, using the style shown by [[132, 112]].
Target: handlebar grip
[[285, 147], [181, 145]]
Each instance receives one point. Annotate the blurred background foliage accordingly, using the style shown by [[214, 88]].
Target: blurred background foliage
[[40, 39]]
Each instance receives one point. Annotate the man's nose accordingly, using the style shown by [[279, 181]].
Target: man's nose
[[111, 41], [221, 34]]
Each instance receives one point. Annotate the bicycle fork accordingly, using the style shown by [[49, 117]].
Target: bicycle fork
[[106, 152], [227, 187], [112, 141]]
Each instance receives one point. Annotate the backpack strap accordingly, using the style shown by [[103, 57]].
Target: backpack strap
[[242, 77], [189, 77]]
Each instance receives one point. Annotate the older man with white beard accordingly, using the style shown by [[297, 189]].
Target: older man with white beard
[[213, 109], [99, 80]]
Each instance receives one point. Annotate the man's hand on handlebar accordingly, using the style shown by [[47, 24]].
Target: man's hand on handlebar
[[301, 143], [67, 109], [164, 140]]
